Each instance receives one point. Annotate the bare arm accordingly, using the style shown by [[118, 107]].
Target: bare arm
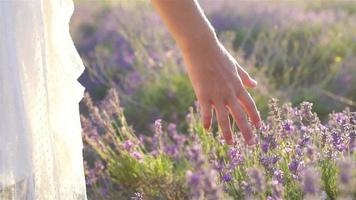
[[218, 80]]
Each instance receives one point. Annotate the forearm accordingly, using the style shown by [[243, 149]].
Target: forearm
[[186, 22]]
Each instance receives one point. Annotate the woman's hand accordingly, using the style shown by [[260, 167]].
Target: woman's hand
[[217, 78], [219, 82]]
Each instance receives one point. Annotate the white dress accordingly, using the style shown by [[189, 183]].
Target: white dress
[[40, 132]]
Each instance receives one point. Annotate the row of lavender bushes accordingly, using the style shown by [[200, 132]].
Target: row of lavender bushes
[[297, 50], [296, 157]]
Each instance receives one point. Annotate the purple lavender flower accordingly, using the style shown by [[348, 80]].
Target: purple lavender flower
[[269, 161], [98, 166], [288, 126], [310, 152], [275, 159], [311, 181], [264, 127], [195, 154], [257, 179], [345, 168], [128, 145], [306, 109], [278, 175], [293, 166], [158, 126], [172, 150], [304, 140], [105, 191], [202, 183], [236, 158], [337, 141], [340, 118], [193, 179], [265, 161], [91, 177], [277, 190], [172, 128], [299, 151], [265, 147], [233, 153], [288, 149], [247, 189], [269, 140], [137, 155], [227, 177]]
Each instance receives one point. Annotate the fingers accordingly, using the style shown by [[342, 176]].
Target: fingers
[[224, 123], [206, 113], [250, 107], [241, 121], [245, 78]]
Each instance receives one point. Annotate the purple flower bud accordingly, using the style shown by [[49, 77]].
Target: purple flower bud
[[128, 145], [265, 161], [158, 126], [275, 159], [247, 189], [277, 190], [193, 178], [340, 118], [311, 181], [137, 155], [236, 158], [288, 149], [288, 126], [345, 168], [278, 175], [293, 166], [98, 166], [172, 128], [265, 147], [91, 177], [218, 166], [257, 179], [195, 155], [227, 177], [306, 109], [299, 151]]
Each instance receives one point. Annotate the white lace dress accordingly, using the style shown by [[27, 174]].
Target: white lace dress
[[40, 131]]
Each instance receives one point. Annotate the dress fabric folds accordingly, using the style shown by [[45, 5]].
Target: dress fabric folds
[[40, 132]]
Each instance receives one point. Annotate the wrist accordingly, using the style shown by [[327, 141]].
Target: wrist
[[198, 39]]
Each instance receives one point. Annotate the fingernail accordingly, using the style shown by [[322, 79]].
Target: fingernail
[[254, 82]]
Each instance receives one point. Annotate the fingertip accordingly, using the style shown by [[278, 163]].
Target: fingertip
[[230, 142], [253, 83], [207, 125], [228, 138], [252, 141], [250, 83], [259, 124]]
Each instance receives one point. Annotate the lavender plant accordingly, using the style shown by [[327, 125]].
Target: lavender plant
[[297, 156]]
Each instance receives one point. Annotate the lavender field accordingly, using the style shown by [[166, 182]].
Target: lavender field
[[141, 128]]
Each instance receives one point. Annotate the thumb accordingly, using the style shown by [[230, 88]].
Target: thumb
[[246, 79]]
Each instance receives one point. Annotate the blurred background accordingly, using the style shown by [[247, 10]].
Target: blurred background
[[297, 50]]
